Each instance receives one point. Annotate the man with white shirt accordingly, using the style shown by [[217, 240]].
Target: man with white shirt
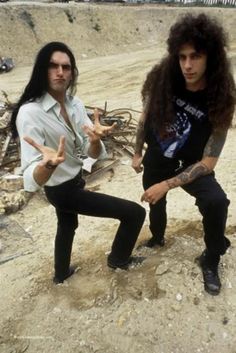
[[54, 131]]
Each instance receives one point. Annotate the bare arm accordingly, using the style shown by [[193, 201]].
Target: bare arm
[[211, 155], [140, 136]]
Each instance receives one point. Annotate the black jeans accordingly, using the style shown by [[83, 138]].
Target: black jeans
[[210, 199], [71, 199]]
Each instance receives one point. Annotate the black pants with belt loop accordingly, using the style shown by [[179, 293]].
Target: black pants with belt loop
[[70, 199]]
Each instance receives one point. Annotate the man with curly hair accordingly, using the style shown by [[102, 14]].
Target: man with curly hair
[[188, 106]]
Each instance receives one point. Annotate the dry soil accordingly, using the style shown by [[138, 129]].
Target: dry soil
[[159, 307]]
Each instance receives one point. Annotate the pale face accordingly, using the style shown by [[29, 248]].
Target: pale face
[[59, 74], [193, 66]]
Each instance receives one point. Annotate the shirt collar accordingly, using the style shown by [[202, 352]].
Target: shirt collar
[[48, 102]]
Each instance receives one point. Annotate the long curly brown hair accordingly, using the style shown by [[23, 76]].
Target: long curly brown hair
[[165, 80]]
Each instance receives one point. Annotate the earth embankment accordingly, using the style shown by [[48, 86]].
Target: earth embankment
[[91, 29]]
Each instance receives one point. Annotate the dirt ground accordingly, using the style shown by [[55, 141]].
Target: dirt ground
[[158, 307]]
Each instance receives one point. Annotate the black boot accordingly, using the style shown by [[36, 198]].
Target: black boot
[[209, 266], [125, 265], [60, 279], [153, 242]]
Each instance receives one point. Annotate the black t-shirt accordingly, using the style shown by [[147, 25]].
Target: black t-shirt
[[186, 137]]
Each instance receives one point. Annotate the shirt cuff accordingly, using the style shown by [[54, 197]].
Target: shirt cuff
[[103, 153], [30, 184]]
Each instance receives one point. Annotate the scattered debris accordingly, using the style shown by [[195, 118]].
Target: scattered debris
[[119, 143], [6, 64], [12, 257], [9, 151], [100, 171], [122, 138], [13, 227]]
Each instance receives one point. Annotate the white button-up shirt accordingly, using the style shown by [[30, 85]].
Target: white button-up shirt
[[41, 120]]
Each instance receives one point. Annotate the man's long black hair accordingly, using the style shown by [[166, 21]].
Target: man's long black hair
[[38, 83]]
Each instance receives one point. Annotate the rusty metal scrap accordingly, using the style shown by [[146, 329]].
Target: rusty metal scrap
[[100, 171], [9, 151], [123, 137], [120, 141]]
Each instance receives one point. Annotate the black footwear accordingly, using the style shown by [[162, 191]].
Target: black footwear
[[132, 261], [211, 278], [61, 279], [151, 243]]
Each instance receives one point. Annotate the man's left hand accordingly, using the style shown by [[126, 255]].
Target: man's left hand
[[155, 192], [98, 131]]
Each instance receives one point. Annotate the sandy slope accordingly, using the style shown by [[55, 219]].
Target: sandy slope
[[159, 307]]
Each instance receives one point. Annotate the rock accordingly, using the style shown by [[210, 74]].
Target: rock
[[162, 268], [11, 182], [12, 202], [179, 297]]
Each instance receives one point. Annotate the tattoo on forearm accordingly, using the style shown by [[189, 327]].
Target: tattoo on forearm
[[213, 149], [188, 175], [139, 137], [215, 144]]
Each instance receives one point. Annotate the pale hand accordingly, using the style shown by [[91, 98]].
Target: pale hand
[[97, 131], [49, 154], [155, 192], [137, 163]]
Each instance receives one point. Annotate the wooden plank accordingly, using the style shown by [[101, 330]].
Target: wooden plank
[[13, 227], [12, 257], [5, 116], [101, 171], [5, 147]]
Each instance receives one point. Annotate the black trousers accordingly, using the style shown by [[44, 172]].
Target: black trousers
[[211, 201], [71, 199]]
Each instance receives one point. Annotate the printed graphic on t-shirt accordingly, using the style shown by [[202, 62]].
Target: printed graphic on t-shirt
[[178, 132]]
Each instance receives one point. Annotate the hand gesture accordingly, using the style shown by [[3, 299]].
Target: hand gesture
[[51, 157], [97, 131]]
